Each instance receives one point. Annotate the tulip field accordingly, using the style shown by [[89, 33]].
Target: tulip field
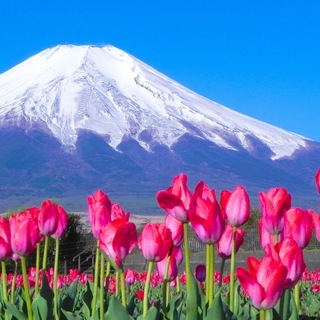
[[274, 286]]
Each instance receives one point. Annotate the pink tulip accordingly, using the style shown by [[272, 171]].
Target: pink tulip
[[117, 212], [175, 257], [238, 207], [224, 197], [117, 239], [48, 218], [99, 210], [5, 239], [263, 282], [274, 204], [316, 224], [317, 177], [205, 216], [155, 241], [62, 224], [176, 199], [129, 277], [290, 255], [225, 243], [176, 228], [266, 237], [299, 226], [25, 233]]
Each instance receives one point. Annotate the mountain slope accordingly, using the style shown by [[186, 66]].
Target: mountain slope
[[75, 119]]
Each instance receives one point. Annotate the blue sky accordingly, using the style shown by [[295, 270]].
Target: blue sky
[[259, 57]]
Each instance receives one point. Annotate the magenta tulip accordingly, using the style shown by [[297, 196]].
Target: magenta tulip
[[99, 210], [25, 233], [263, 282], [266, 237], [117, 212], [176, 199], [155, 241], [238, 207], [176, 228], [200, 272], [62, 224], [274, 204], [316, 223], [48, 218], [224, 197], [299, 226], [175, 257], [129, 277], [117, 239], [290, 255], [224, 245], [317, 177], [5, 239], [206, 218]]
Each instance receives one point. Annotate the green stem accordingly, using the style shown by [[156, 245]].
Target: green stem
[[146, 288], [232, 269], [13, 284], [165, 286], [96, 279], [117, 283], [212, 272], [36, 288], [262, 314], [45, 253], [26, 287], [297, 295], [284, 304], [208, 272], [4, 280], [123, 289], [102, 265], [187, 255], [178, 284], [55, 279]]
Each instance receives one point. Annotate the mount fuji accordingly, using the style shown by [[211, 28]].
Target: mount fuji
[[74, 119]]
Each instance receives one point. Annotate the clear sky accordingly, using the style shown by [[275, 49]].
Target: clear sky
[[259, 57]]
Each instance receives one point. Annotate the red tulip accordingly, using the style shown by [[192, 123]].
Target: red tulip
[[224, 197], [117, 212], [316, 224], [176, 228], [175, 257], [117, 239], [290, 255], [25, 233], [155, 241], [176, 199], [317, 177], [5, 239], [238, 207], [225, 243], [48, 218], [62, 224], [299, 226], [99, 211], [274, 204], [263, 282], [205, 217]]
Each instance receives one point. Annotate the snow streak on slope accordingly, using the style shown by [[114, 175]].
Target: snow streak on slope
[[105, 90]]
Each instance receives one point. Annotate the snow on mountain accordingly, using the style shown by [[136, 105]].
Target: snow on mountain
[[67, 89]]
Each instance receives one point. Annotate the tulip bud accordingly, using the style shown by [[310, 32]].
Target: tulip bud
[[200, 272], [317, 177]]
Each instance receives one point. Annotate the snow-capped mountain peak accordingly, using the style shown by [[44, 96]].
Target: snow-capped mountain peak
[[67, 89]]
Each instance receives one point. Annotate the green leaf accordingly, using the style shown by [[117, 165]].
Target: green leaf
[[175, 308], [71, 316], [152, 314], [71, 298], [294, 311], [10, 309], [192, 299], [117, 311], [87, 301]]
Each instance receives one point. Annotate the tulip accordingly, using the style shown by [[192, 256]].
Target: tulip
[[274, 204], [265, 237], [176, 228], [117, 212], [288, 253], [48, 218], [25, 233], [263, 282], [5, 239], [200, 273], [224, 197], [238, 207], [317, 177], [62, 224], [224, 245], [99, 210], [129, 276], [176, 199], [155, 241], [316, 224], [299, 226], [117, 239]]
